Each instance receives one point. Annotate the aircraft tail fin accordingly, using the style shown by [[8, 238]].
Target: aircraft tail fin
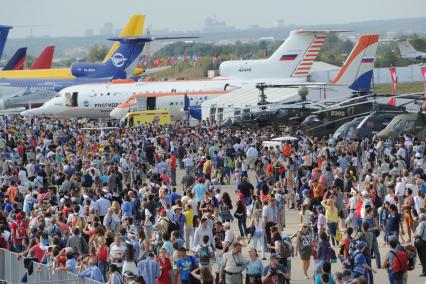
[[17, 61], [4, 31], [357, 71], [133, 28], [406, 48], [297, 53], [44, 61]]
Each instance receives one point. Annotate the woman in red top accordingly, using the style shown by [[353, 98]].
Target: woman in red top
[[102, 253], [165, 267]]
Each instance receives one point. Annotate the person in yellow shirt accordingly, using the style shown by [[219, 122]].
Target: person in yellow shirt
[[332, 216], [189, 226]]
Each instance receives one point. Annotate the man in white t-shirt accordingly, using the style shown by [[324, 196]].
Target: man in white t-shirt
[[116, 253]]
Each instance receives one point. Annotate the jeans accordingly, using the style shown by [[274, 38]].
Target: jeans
[[332, 227], [395, 278], [375, 248], [242, 226], [18, 248], [259, 235], [189, 237], [103, 266], [173, 176]]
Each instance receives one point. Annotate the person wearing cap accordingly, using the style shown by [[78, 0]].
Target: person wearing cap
[[19, 233], [232, 266], [179, 219], [275, 272], [358, 261]]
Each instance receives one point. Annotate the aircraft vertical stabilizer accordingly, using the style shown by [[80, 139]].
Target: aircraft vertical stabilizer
[[44, 61], [133, 28], [17, 61], [4, 31], [357, 71]]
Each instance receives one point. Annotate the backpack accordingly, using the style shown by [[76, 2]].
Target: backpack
[[412, 254], [400, 261], [87, 180], [173, 226], [204, 255], [286, 249], [20, 232]]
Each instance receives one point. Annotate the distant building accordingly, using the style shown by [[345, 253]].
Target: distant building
[[212, 25], [89, 32], [279, 23], [107, 29]]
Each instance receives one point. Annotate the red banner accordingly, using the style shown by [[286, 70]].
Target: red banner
[[424, 79], [392, 71]]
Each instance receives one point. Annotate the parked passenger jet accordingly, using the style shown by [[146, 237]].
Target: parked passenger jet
[[291, 62], [133, 28], [408, 51]]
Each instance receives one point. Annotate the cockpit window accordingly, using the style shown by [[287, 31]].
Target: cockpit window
[[400, 126]]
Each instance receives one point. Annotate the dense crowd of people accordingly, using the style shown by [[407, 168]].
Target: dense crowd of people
[[107, 204]]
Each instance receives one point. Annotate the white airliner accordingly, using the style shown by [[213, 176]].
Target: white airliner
[[290, 63], [408, 51]]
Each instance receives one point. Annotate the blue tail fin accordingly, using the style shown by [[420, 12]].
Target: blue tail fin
[[4, 31], [115, 66], [17, 61]]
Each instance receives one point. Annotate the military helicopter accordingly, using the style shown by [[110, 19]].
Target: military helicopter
[[276, 114], [365, 126], [409, 123], [372, 109]]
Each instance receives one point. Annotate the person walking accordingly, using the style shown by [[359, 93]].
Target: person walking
[[258, 224], [232, 266], [420, 242], [304, 248]]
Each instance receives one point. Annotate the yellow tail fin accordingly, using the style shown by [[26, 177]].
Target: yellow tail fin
[[133, 28]]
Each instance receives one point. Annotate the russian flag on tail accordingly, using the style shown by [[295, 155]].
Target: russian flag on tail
[[288, 57], [367, 59]]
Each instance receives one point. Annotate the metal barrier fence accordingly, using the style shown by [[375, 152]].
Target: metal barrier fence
[[12, 270]]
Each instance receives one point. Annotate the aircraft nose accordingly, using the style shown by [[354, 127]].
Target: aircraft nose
[[27, 113], [118, 113]]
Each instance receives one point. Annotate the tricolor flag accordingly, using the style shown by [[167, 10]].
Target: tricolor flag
[[424, 79], [288, 57], [392, 71], [369, 59]]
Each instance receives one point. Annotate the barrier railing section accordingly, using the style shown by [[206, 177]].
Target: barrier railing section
[[12, 270]]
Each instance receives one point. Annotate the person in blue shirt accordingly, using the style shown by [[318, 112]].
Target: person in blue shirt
[[174, 196], [394, 224], [179, 219], [275, 272], [184, 265], [93, 272], [199, 190], [70, 264], [254, 268], [126, 207]]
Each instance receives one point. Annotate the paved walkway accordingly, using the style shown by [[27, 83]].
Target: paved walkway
[[293, 225]]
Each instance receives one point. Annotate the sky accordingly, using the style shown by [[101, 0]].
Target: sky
[[72, 17]]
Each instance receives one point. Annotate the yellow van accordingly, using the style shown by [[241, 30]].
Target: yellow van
[[143, 117]]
